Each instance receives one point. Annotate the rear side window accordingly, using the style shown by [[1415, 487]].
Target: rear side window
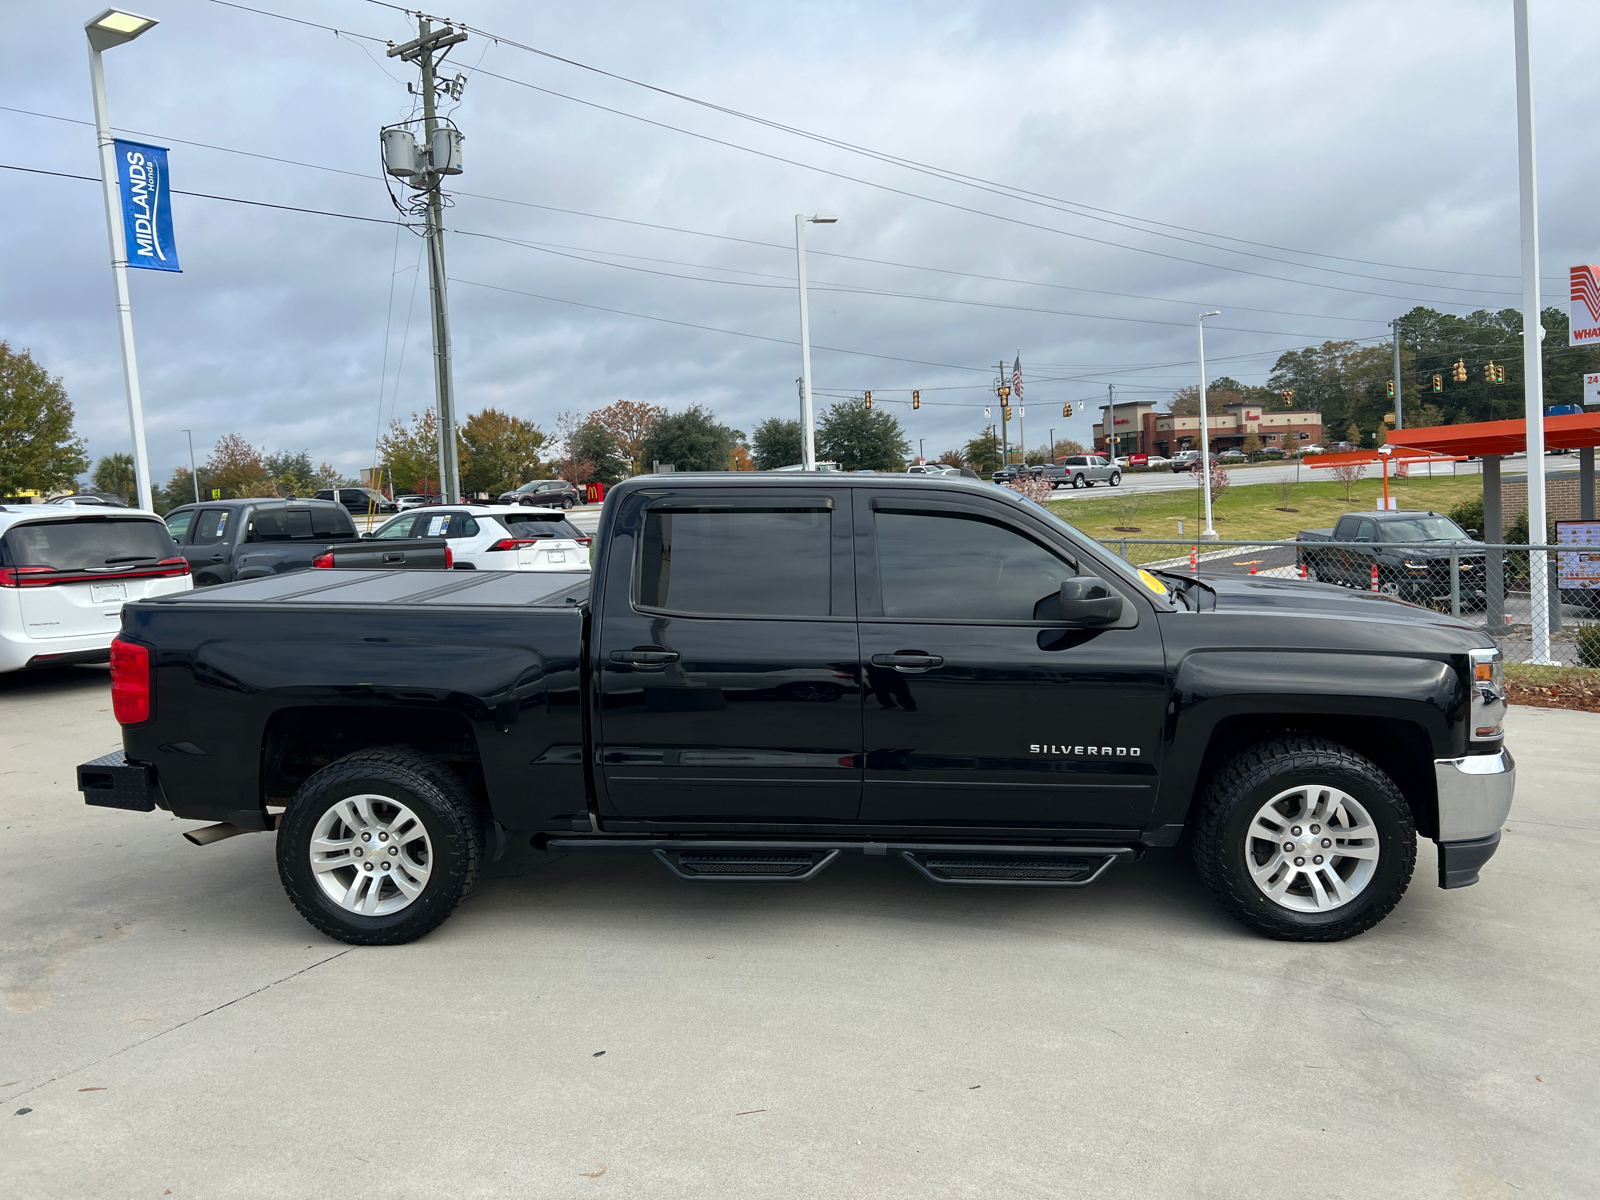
[[463, 526], [331, 522], [81, 545], [212, 526], [737, 561], [943, 566], [280, 525], [178, 523], [538, 525]]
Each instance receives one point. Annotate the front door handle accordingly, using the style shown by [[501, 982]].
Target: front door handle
[[645, 658], [914, 659]]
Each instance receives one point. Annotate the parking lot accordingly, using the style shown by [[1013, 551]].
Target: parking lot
[[587, 1026]]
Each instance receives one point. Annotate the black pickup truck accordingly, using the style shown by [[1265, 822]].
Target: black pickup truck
[[768, 671], [1412, 551]]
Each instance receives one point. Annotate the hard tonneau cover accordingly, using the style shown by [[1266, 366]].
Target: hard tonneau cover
[[499, 589]]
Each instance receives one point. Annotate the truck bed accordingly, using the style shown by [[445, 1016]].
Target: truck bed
[[472, 589]]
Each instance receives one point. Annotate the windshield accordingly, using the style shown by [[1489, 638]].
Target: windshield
[[87, 544], [1100, 556], [1422, 529]]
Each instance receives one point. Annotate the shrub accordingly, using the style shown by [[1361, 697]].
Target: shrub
[[1589, 644]]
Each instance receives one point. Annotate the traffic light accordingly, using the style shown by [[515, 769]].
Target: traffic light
[[1288, 397], [1391, 389], [916, 399], [1066, 410], [1438, 383], [869, 399], [1499, 374], [1488, 373], [1007, 411], [1459, 371]]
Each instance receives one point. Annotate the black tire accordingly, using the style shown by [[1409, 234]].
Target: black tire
[[440, 801], [1077, 481], [1116, 478], [1248, 780], [566, 502]]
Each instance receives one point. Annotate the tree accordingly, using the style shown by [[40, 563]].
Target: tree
[[39, 452], [983, 452], [180, 490], [1353, 434], [290, 472], [859, 438], [1425, 417], [692, 440], [1348, 474], [114, 474], [741, 459], [410, 453], [1252, 444], [1065, 447], [499, 452], [953, 458], [776, 443], [1185, 403], [629, 422], [594, 443], [236, 465]]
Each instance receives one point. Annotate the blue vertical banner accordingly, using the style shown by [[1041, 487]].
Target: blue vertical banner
[[146, 206]]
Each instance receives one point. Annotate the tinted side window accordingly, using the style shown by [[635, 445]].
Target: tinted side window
[[755, 561], [331, 522], [954, 567], [463, 526], [1345, 530], [212, 526], [1368, 531], [178, 523]]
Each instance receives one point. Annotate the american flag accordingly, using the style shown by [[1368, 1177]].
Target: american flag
[[1016, 377]]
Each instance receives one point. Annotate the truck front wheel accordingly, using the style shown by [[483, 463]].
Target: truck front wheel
[[1304, 840], [379, 848]]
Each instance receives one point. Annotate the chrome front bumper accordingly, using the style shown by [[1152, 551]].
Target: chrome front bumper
[[1474, 800]]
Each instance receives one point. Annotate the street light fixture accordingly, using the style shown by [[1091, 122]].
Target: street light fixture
[[1208, 534], [112, 28], [808, 448]]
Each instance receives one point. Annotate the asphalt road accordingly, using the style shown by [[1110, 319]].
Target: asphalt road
[[589, 1026]]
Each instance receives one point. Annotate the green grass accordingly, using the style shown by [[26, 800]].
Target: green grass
[[1535, 675], [1250, 512]]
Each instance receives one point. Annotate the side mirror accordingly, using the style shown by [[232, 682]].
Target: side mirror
[[366, 537], [1474, 533], [1086, 600]]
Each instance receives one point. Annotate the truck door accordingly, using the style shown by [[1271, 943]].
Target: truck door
[[207, 548], [981, 709], [727, 658]]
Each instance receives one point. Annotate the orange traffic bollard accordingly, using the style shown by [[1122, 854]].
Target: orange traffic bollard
[[1304, 574], [1194, 560], [1374, 576]]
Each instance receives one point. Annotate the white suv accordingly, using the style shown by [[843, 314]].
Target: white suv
[[65, 574], [497, 537]]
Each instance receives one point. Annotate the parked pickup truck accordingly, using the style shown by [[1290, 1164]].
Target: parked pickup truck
[[1411, 550], [767, 671], [226, 540], [372, 553], [1082, 470]]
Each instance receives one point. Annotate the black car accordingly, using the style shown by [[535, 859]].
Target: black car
[[544, 493], [226, 540], [765, 672], [359, 500]]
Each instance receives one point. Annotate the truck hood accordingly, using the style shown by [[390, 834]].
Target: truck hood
[[1286, 597]]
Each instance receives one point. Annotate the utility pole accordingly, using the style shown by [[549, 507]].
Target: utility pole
[[1399, 416], [1209, 533], [194, 475], [437, 157], [1111, 419]]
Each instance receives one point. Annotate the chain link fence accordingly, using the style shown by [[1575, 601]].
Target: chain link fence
[[1489, 585]]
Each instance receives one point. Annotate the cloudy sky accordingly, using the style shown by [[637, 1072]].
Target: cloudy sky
[[1071, 180]]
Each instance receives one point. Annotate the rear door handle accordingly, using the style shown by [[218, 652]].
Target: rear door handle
[[908, 658], [645, 658]]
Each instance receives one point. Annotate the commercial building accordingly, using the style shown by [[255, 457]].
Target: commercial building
[[1140, 429]]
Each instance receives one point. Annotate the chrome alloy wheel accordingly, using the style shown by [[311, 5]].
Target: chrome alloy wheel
[[1312, 848], [371, 855]]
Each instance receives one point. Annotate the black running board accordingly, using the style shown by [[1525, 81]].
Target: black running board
[[782, 861]]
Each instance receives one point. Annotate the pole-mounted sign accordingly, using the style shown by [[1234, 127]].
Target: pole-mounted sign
[[1583, 318], [146, 206]]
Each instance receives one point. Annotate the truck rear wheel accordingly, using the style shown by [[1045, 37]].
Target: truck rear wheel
[[379, 848], [1304, 840]]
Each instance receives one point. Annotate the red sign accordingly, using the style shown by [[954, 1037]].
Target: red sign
[[1138, 460]]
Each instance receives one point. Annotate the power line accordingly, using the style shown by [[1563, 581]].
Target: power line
[[888, 187]]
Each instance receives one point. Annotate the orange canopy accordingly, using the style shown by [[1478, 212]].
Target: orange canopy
[[1402, 454], [1568, 431]]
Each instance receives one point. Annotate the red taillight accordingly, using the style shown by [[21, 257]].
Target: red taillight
[[449, 558], [584, 541], [172, 566], [325, 559], [514, 543], [18, 576], [130, 682]]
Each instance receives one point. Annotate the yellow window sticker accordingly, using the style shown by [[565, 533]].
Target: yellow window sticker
[[1151, 582]]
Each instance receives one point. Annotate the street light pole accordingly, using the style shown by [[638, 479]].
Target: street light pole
[[194, 475], [808, 445], [1208, 534], [1532, 335], [112, 28], [1399, 415]]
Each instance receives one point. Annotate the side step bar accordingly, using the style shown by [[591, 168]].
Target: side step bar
[[981, 865]]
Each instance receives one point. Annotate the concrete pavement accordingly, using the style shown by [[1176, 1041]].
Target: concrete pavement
[[588, 1026]]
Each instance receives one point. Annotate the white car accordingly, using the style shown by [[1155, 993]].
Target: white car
[[497, 537], [65, 574], [931, 468]]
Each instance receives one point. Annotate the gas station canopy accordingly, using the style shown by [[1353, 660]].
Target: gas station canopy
[[1568, 431]]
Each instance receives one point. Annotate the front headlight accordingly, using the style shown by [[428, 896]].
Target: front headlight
[[1418, 566], [1488, 694]]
